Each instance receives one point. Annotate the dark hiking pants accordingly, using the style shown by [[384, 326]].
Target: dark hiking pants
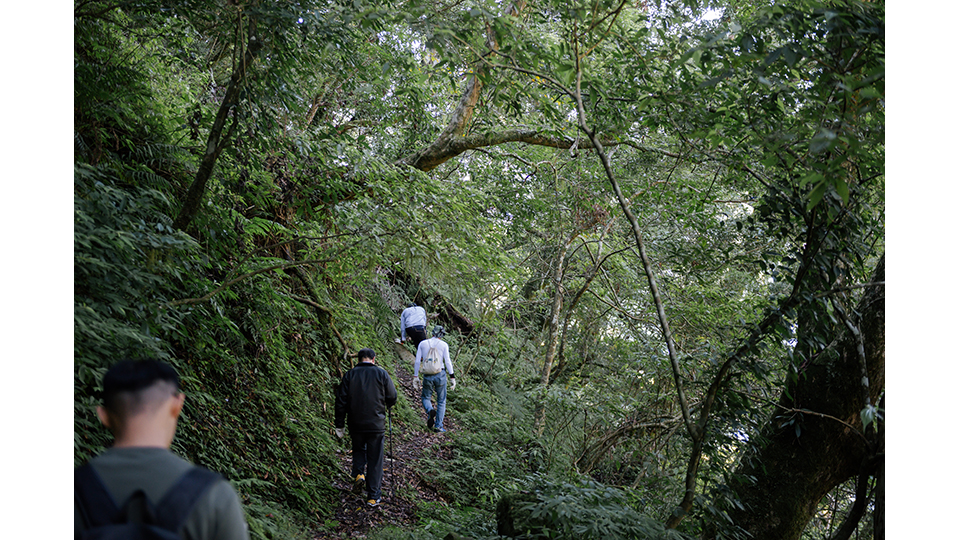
[[416, 335], [368, 460]]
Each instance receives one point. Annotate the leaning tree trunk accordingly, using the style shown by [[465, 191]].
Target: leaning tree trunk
[[217, 141], [553, 333], [793, 473]]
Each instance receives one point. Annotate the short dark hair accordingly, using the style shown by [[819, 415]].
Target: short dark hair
[[366, 353], [132, 376]]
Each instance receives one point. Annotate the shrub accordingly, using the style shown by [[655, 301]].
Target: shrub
[[575, 510]]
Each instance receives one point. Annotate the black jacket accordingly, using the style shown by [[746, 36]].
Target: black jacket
[[363, 397]]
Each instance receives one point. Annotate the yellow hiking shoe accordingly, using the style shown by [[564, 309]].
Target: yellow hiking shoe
[[359, 483]]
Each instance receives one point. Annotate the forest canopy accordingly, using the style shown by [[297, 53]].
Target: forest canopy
[[655, 232]]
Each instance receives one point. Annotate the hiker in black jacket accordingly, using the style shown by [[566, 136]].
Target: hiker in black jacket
[[364, 395]]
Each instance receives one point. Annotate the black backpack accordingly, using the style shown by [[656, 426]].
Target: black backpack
[[138, 519]]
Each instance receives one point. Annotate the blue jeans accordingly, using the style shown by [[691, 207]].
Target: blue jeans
[[436, 383]]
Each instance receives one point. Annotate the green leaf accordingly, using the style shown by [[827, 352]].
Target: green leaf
[[566, 73], [789, 55], [811, 178], [843, 190], [816, 195]]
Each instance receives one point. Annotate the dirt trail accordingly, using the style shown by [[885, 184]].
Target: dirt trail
[[354, 519]]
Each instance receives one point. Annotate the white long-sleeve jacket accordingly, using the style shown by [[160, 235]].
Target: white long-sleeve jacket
[[424, 348]]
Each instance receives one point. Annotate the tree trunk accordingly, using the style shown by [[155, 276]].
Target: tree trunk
[[540, 412], [879, 502], [327, 325], [217, 140], [790, 473]]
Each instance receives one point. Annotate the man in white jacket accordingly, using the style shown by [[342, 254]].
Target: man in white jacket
[[433, 356]]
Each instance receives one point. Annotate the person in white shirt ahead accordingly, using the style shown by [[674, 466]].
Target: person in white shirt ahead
[[434, 356]]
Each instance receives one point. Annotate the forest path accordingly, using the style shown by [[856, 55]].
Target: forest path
[[402, 486]]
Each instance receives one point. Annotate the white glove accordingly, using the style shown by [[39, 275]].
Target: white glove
[[453, 384], [416, 384], [339, 432]]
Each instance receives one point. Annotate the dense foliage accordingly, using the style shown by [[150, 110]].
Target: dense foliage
[[642, 222]]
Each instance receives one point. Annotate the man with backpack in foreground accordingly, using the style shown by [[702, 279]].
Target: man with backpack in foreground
[[365, 393], [138, 488], [433, 357]]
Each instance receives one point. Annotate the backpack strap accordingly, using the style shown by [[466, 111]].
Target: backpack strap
[[94, 501], [98, 507], [174, 509]]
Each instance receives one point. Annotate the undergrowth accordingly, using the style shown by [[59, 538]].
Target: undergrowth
[[488, 451], [256, 369], [491, 456], [586, 509]]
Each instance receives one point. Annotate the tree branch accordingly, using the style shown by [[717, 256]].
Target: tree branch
[[804, 411], [591, 454], [438, 154], [853, 518], [426, 159], [306, 301], [227, 284], [647, 266], [850, 288]]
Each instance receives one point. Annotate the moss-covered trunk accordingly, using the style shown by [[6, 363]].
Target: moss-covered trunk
[[789, 474]]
